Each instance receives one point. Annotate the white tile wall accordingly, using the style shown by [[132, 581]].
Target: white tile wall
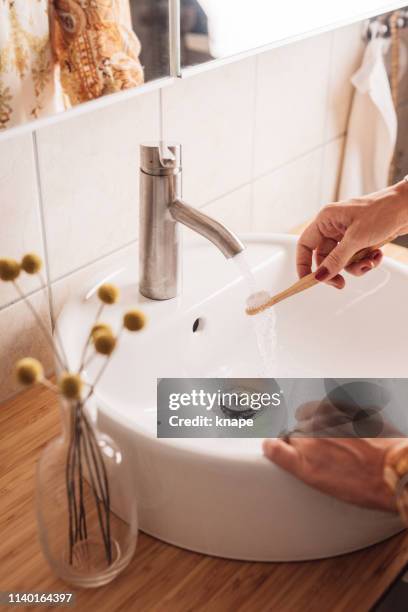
[[90, 181], [347, 53], [289, 196], [331, 167], [80, 282], [291, 102], [20, 224], [22, 337], [233, 209], [262, 141], [212, 115]]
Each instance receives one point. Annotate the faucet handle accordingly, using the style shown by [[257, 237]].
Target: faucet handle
[[167, 157], [160, 158]]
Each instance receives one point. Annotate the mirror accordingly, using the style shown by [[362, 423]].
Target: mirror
[[217, 29], [57, 54]]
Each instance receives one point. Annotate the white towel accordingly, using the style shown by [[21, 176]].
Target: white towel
[[372, 129]]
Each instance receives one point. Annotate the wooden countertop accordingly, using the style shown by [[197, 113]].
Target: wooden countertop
[[163, 578]]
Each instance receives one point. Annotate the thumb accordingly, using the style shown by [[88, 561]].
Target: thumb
[[336, 260]]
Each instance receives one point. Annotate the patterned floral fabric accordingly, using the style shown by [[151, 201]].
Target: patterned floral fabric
[[57, 53]]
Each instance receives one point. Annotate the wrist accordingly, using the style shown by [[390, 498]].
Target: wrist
[[400, 201]]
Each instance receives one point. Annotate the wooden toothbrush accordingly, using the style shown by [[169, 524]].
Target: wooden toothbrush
[[304, 283]]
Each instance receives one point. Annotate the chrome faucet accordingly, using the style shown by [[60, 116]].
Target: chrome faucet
[[161, 211]]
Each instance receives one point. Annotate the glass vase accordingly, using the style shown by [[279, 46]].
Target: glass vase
[[86, 503]]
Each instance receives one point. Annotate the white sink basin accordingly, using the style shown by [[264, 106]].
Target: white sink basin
[[221, 496]]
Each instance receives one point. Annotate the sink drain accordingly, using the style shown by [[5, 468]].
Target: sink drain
[[198, 325], [233, 408]]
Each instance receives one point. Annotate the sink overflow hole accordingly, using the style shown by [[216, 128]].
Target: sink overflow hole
[[198, 325]]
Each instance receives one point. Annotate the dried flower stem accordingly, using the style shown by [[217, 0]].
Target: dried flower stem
[[85, 464], [102, 370], [40, 324], [88, 340], [56, 331], [84, 443], [72, 522], [70, 502], [88, 361], [82, 516], [84, 446], [101, 472], [100, 496]]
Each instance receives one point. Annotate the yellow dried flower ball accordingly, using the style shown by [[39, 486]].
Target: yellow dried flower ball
[[70, 386], [134, 320], [29, 371], [104, 343], [31, 263], [9, 269], [100, 327], [108, 294]]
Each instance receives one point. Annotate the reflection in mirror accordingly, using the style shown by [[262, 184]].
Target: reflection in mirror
[[150, 19], [195, 38], [55, 54], [216, 29]]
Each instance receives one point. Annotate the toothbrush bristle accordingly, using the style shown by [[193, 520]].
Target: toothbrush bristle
[[258, 299]]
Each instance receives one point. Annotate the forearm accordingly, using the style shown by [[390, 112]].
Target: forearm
[[401, 198], [392, 204]]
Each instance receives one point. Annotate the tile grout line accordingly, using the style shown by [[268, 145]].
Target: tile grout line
[[40, 196], [70, 273], [298, 157], [225, 194], [20, 300], [275, 169], [94, 261]]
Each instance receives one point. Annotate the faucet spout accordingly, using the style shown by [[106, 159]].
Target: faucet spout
[[223, 238], [161, 213]]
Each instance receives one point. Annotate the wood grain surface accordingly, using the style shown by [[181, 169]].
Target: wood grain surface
[[164, 578]]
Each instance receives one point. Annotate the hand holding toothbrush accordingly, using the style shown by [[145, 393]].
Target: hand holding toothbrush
[[340, 230]]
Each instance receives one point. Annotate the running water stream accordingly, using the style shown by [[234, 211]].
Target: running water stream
[[264, 323]]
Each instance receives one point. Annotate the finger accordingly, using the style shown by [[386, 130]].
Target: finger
[[376, 256], [337, 281], [323, 249], [337, 259], [307, 243], [363, 266], [359, 268], [282, 454]]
